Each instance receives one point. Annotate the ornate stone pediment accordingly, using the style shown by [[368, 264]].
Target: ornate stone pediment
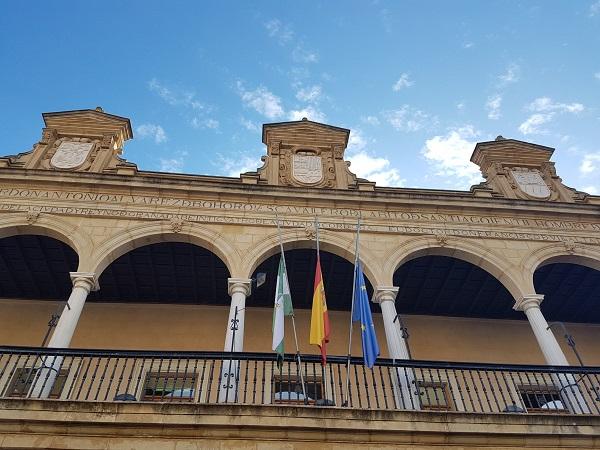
[[522, 170], [84, 141], [306, 153]]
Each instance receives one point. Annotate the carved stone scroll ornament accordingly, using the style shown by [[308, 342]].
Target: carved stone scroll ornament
[[176, 225], [570, 246], [310, 232], [441, 237], [32, 217]]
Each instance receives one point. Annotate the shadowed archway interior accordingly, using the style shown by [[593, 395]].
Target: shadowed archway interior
[[36, 267], [446, 286], [338, 275], [571, 292], [166, 272]]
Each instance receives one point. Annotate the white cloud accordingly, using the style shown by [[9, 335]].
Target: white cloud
[[493, 105], [408, 119], [309, 94], [597, 75], [403, 82], [149, 130], [468, 45], [173, 164], [250, 125], [545, 104], [371, 120], [593, 190], [534, 122], [262, 101], [173, 98], [302, 55], [356, 141], [545, 109], [512, 75], [310, 112], [450, 156], [366, 165], [200, 123], [233, 167], [590, 164], [461, 106], [277, 30], [595, 8], [376, 169]]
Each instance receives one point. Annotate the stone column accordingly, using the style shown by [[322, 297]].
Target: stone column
[[553, 354], [405, 392], [530, 305], [239, 289], [83, 283]]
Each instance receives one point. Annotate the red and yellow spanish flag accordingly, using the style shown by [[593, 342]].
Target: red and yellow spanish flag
[[319, 321]]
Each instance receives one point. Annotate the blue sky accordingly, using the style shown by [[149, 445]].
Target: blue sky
[[418, 83]]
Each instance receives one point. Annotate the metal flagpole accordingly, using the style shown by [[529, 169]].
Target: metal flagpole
[[347, 402], [299, 362]]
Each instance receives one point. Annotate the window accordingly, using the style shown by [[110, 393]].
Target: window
[[288, 389], [434, 396], [169, 386], [23, 378], [541, 399]]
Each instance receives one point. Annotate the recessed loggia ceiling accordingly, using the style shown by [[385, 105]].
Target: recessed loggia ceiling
[[37, 267], [445, 286], [166, 272], [571, 292]]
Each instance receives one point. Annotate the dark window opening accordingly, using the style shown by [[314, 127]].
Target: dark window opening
[[23, 378], [169, 386], [288, 389]]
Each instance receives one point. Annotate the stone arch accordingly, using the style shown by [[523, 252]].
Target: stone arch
[[156, 232], [335, 243], [464, 250], [560, 253], [50, 226]]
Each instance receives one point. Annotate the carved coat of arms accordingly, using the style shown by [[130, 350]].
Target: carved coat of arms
[[71, 154], [531, 182], [307, 168]]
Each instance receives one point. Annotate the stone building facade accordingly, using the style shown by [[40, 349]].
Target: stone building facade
[[93, 214]]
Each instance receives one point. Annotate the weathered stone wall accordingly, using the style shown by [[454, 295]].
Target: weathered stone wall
[[71, 425]]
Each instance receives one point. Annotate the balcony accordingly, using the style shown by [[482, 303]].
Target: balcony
[[256, 379]]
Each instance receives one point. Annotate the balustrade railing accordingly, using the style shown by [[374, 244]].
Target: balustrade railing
[[257, 379]]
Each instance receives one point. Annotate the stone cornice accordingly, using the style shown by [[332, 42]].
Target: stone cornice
[[152, 182]]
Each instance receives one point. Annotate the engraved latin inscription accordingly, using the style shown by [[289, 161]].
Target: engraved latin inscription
[[307, 168], [70, 155], [531, 182]]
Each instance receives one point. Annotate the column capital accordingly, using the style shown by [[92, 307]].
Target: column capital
[[86, 280], [385, 293], [242, 285], [528, 301]]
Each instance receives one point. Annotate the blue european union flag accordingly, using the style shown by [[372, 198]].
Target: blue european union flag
[[362, 313]]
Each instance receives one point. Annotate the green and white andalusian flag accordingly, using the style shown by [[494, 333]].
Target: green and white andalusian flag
[[283, 307]]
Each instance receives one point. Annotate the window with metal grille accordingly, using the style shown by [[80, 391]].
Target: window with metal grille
[[169, 386], [288, 389], [24, 377], [541, 399], [434, 395]]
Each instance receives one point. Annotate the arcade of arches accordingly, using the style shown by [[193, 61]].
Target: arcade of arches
[[160, 261]]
